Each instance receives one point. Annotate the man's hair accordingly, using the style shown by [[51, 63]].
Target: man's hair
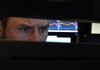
[[4, 20]]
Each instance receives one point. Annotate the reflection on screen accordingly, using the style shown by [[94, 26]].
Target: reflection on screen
[[62, 26]]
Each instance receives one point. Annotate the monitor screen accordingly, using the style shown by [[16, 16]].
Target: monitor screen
[[54, 38], [95, 29], [63, 26]]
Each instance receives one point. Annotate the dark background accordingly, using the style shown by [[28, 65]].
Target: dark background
[[82, 9]]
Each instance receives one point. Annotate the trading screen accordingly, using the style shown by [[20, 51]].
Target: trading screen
[[62, 26]]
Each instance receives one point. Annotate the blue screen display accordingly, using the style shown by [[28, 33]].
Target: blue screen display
[[62, 26]]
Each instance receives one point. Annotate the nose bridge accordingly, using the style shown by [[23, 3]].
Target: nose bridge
[[35, 35]]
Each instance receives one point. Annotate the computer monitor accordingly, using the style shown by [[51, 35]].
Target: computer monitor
[[63, 26]]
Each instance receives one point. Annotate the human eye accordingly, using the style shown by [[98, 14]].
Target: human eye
[[43, 29], [25, 29]]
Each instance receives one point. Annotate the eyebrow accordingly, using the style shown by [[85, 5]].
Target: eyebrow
[[47, 25]]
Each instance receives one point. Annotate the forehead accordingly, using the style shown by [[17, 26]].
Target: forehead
[[27, 21]]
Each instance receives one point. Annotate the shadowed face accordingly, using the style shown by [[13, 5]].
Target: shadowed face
[[26, 29]]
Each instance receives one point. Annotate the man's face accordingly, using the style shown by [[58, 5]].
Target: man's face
[[26, 29]]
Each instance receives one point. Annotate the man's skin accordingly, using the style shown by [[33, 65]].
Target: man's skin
[[26, 29]]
